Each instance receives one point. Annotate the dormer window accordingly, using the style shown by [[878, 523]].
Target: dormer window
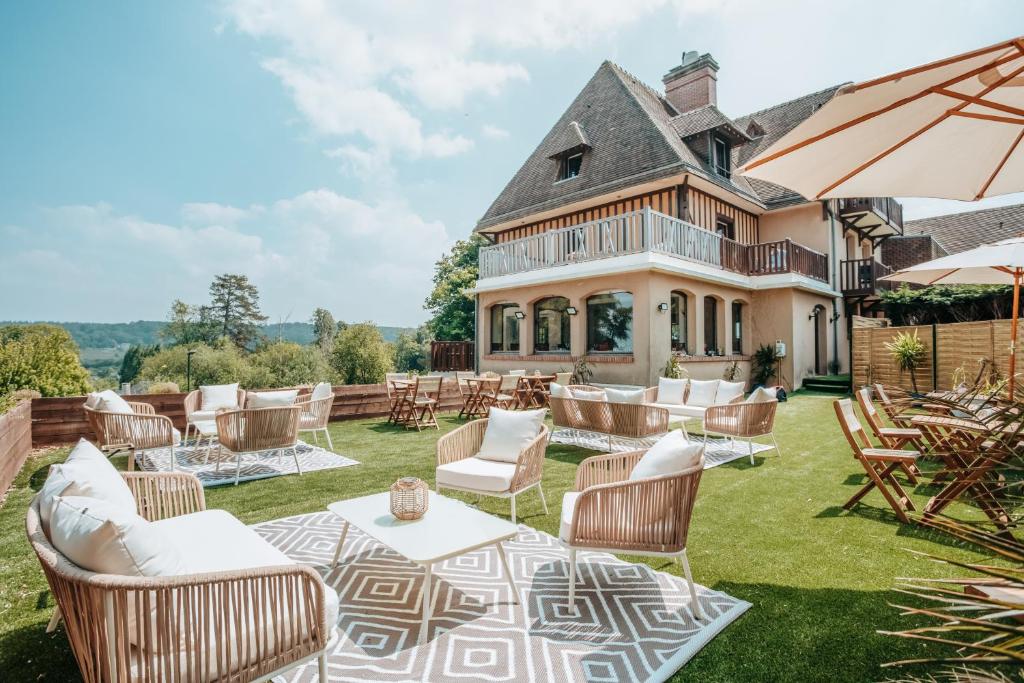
[[570, 166], [720, 151]]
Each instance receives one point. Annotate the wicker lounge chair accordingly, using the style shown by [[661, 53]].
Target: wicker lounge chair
[[194, 412], [253, 430], [139, 430], [636, 421], [316, 412], [742, 421]]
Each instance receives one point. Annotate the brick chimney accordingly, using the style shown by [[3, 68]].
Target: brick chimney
[[692, 84]]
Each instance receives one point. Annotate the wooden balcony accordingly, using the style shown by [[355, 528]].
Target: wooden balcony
[[649, 231], [874, 217], [860, 277]]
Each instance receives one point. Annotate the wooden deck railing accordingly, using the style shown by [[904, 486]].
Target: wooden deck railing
[[860, 277], [649, 231], [885, 207]]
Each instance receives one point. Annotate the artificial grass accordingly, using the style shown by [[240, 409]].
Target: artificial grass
[[774, 534]]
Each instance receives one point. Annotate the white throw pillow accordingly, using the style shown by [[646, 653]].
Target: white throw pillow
[[509, 432], [671, 390], [702, 393], [672, 454], [110, 402], [271, 399], [321, 391], [584, 395], [217, 396], [558, 391], [727, 391], [85, 473], [761, 395], [625, 395], [100, 537], [92, 401], [84, 450]]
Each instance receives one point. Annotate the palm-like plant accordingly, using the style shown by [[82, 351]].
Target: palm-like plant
[[908, 352]]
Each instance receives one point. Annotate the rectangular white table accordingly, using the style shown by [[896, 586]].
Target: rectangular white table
[[449, 528]]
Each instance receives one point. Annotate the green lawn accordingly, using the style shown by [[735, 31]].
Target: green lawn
[[774, 534]]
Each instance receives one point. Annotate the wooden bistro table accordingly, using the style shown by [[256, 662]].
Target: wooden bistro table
[[532, 391], [483, 393], [448, 529], [969, 463]]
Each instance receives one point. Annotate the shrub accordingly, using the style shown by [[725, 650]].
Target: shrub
[[163, 388], [41, 358], [763, 365], [286, 364], [360, 355], [223, 364]]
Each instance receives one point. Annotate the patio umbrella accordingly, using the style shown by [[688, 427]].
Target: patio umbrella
[[950, 129], [990, 264]]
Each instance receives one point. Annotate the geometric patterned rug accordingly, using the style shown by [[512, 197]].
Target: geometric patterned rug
[[633, 623], [191, 457], [718, 452]]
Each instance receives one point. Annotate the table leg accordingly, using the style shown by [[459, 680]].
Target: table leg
[[426, 603], [508, 572], [341, 541]]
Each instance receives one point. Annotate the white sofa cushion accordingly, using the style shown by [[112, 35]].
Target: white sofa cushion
[[476, 474], [559, 391], [728, 391], [624, 395], [517, 373], [584, 395], [672, 454], [509, 432], [671, 390], [681, 411], [216, 396], [702, 392], [761, 395], [103, 538], [86, 472], [110, 402], [271, 399]]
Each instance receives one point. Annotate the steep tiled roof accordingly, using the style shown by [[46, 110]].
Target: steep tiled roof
[[705, 118], [958, 232], [570, 137]]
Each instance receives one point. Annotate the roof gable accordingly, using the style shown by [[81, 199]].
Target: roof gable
[[957, 232], [570, 138]]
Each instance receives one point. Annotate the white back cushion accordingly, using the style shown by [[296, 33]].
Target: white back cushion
[[110, 402], [702, 393], [589, 395], [625, 395], [322, 390], [102, 538], [509, 432], [672, 454], [216, 396], [271, 399], [93, 400], [727, 391], [87, 472], [761, 395], [517, 373], [558, 391], [671, 390]]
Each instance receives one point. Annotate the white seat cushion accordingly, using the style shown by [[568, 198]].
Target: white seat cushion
[[86, 472], [681, 411], [202, 416], [671, 390], [624, 395], [702, 392], [568, 506], [110, 402], [728, 391], [271, 399], [476, 474], [509, 432], [672, 454], [219, 396]]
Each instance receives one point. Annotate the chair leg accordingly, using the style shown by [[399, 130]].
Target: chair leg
[[322, 667], [238, 467], [543, 502], [513, 508], [750, 450], [572, 580], [173, 457], [327, 433], [697, 611], [775, 443], [316, 437], [295, 455], [54, 620]]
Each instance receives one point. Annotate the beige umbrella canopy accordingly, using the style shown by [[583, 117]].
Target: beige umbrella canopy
[[1001, 263], [950, 129]]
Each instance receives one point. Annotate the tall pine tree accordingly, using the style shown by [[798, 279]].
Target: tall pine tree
[[235, 308]]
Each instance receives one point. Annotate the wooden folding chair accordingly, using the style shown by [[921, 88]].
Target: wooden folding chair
[[421, 400], [878, 463], [895, 438], [396, 384], [506, 394]]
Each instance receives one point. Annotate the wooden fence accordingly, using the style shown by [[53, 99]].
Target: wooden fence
[[61, 420], [948, 348], [450, 356], [15, 442]]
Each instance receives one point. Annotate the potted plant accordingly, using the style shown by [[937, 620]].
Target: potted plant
[[764, 364], [907, 351]]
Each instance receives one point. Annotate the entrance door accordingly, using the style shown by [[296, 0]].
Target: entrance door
[[818, 318]]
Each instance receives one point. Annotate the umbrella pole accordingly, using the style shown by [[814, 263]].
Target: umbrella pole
[[1013, 330]]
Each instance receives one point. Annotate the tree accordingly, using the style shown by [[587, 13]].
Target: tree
[[286, 364], [412, 350], [452, 310], [131, 362], [188, 325], [41, 358], [235, 307], [217, 364], [324, 329], [360, 355]]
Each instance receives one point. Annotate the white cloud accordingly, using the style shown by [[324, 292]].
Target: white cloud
[[320, 248], [494, 132]]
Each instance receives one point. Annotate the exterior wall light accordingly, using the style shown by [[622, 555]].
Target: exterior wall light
[[663, 307], [571, 310], [520, 315]]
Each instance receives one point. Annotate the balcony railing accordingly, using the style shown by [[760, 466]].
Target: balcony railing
[[860, 277], [648, 231], [886, 208]]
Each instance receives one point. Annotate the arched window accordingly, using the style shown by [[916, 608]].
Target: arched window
[[504, 328], [679, 323], [737, 327], [710, 326], [610, 323], [551, 325]]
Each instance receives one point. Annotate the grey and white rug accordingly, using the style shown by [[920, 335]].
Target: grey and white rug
[[633, 623], [718, 452], [193, 458]]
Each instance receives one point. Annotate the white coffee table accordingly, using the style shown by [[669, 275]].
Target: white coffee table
[[449, 528]]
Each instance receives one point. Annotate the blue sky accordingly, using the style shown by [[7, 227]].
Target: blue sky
[[332, 151]]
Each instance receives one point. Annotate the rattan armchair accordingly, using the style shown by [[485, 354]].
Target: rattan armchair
[[612, 513], [464, 443], [253, 430], [316, 412], [194, 409], [742, 421], [235, 625], [635, 421], [139, 430]]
